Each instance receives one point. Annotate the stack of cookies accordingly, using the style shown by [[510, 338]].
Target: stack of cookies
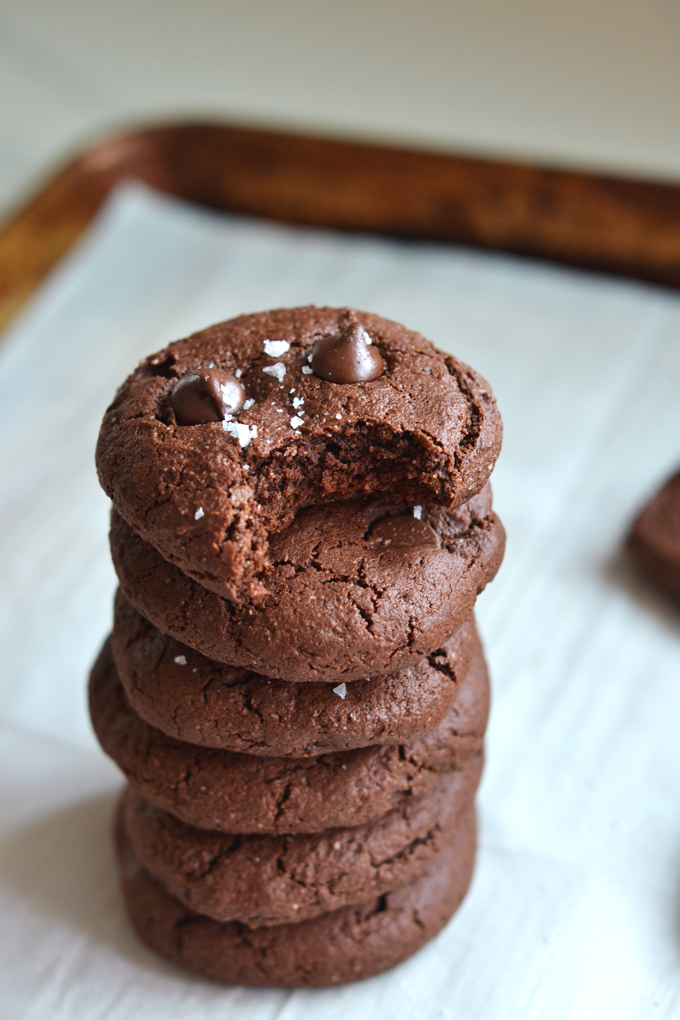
[[294, 686]]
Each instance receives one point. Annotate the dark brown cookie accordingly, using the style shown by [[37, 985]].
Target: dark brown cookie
[[335, 948], [198, 700], [655, 539], [267, 880], [243, 793], [349, 598], [209, 495]]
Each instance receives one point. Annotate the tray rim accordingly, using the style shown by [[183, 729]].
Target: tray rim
[[619, 225]]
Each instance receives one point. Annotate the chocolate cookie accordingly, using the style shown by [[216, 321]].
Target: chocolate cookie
[[267, 880], [201, 701], [655, 539], [378, 589], [242, 793], [215, 443], [344, 945]]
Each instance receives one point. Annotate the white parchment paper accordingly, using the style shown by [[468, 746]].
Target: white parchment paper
[[575, 908]]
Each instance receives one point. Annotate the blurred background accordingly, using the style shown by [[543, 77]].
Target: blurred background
[[564, 83]]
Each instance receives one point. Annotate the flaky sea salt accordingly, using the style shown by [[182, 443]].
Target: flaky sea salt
[[340, 690], [298, 402], [417, 512], [199, 513], [238, 373], [306, 370], [275, 348], [244, 433], [278, 370], [338, 415], [296, 422], [181, 660], [249, 403]]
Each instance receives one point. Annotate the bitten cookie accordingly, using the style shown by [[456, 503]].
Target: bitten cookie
[[268, 880], [356, 590], [654, 539], [344, 945], [200, 701], [216, 442], [242, 793]]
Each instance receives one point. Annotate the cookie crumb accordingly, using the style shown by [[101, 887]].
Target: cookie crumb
[[181, 660], [275, 348], [340, 690], [337, 844], [199, 513], [418, 512], [278, 370]]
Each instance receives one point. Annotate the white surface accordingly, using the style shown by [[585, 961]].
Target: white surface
[[592, 84], [573, 911]]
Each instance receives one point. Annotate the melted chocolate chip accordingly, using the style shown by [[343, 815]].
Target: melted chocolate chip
[[348, 357], [209, 395], [404, 530]]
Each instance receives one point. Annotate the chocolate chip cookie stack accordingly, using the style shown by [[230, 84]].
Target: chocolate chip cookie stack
[[294, 687]]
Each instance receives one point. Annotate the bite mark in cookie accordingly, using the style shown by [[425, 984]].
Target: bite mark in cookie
[[427, 427]]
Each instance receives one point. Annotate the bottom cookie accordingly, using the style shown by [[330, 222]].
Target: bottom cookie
[[346, 945]]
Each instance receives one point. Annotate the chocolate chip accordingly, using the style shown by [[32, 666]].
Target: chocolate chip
[[348, 357], [403, 530], [209, 395]]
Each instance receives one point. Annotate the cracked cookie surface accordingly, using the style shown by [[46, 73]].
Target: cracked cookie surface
[[243, 793], [355, 590], [344, 945], [268, 880], [209, 496], [200, 701]]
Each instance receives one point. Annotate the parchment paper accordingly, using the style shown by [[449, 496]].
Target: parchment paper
[[574, 909]]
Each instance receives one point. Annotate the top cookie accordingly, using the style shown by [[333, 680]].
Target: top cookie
[[267, 433]]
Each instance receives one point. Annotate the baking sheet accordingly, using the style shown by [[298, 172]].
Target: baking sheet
[[574, 908]]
